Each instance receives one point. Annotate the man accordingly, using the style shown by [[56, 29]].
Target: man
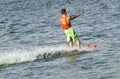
[[66, 26]]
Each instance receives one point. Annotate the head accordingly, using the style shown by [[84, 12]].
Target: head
[[63, 11]]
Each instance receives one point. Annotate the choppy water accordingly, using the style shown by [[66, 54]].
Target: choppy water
[[30, 32]]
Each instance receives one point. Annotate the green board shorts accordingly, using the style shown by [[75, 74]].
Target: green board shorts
[[71, 35]]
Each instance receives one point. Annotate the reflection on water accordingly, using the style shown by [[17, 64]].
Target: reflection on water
[[72, 57]]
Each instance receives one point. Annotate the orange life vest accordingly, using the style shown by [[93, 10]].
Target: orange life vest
[[63, 22]]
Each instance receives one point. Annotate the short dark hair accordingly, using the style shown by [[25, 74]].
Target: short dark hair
[[63, 11]]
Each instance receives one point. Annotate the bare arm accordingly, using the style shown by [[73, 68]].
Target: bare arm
[[75, 16]]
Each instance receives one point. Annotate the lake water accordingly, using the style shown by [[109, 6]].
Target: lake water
[[33, 45]]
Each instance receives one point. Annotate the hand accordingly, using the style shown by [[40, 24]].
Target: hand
[[83, 11], [77, 14]]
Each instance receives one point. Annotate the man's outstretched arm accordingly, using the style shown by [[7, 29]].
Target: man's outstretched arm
[[75, 16]]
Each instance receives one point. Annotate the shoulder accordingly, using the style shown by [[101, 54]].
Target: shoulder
[[68, 17], [60, 16]]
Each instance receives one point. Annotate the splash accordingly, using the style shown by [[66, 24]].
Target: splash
[[22, 55]]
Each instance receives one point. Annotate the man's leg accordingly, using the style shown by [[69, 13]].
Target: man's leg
[[78, 44], [71, 43]]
